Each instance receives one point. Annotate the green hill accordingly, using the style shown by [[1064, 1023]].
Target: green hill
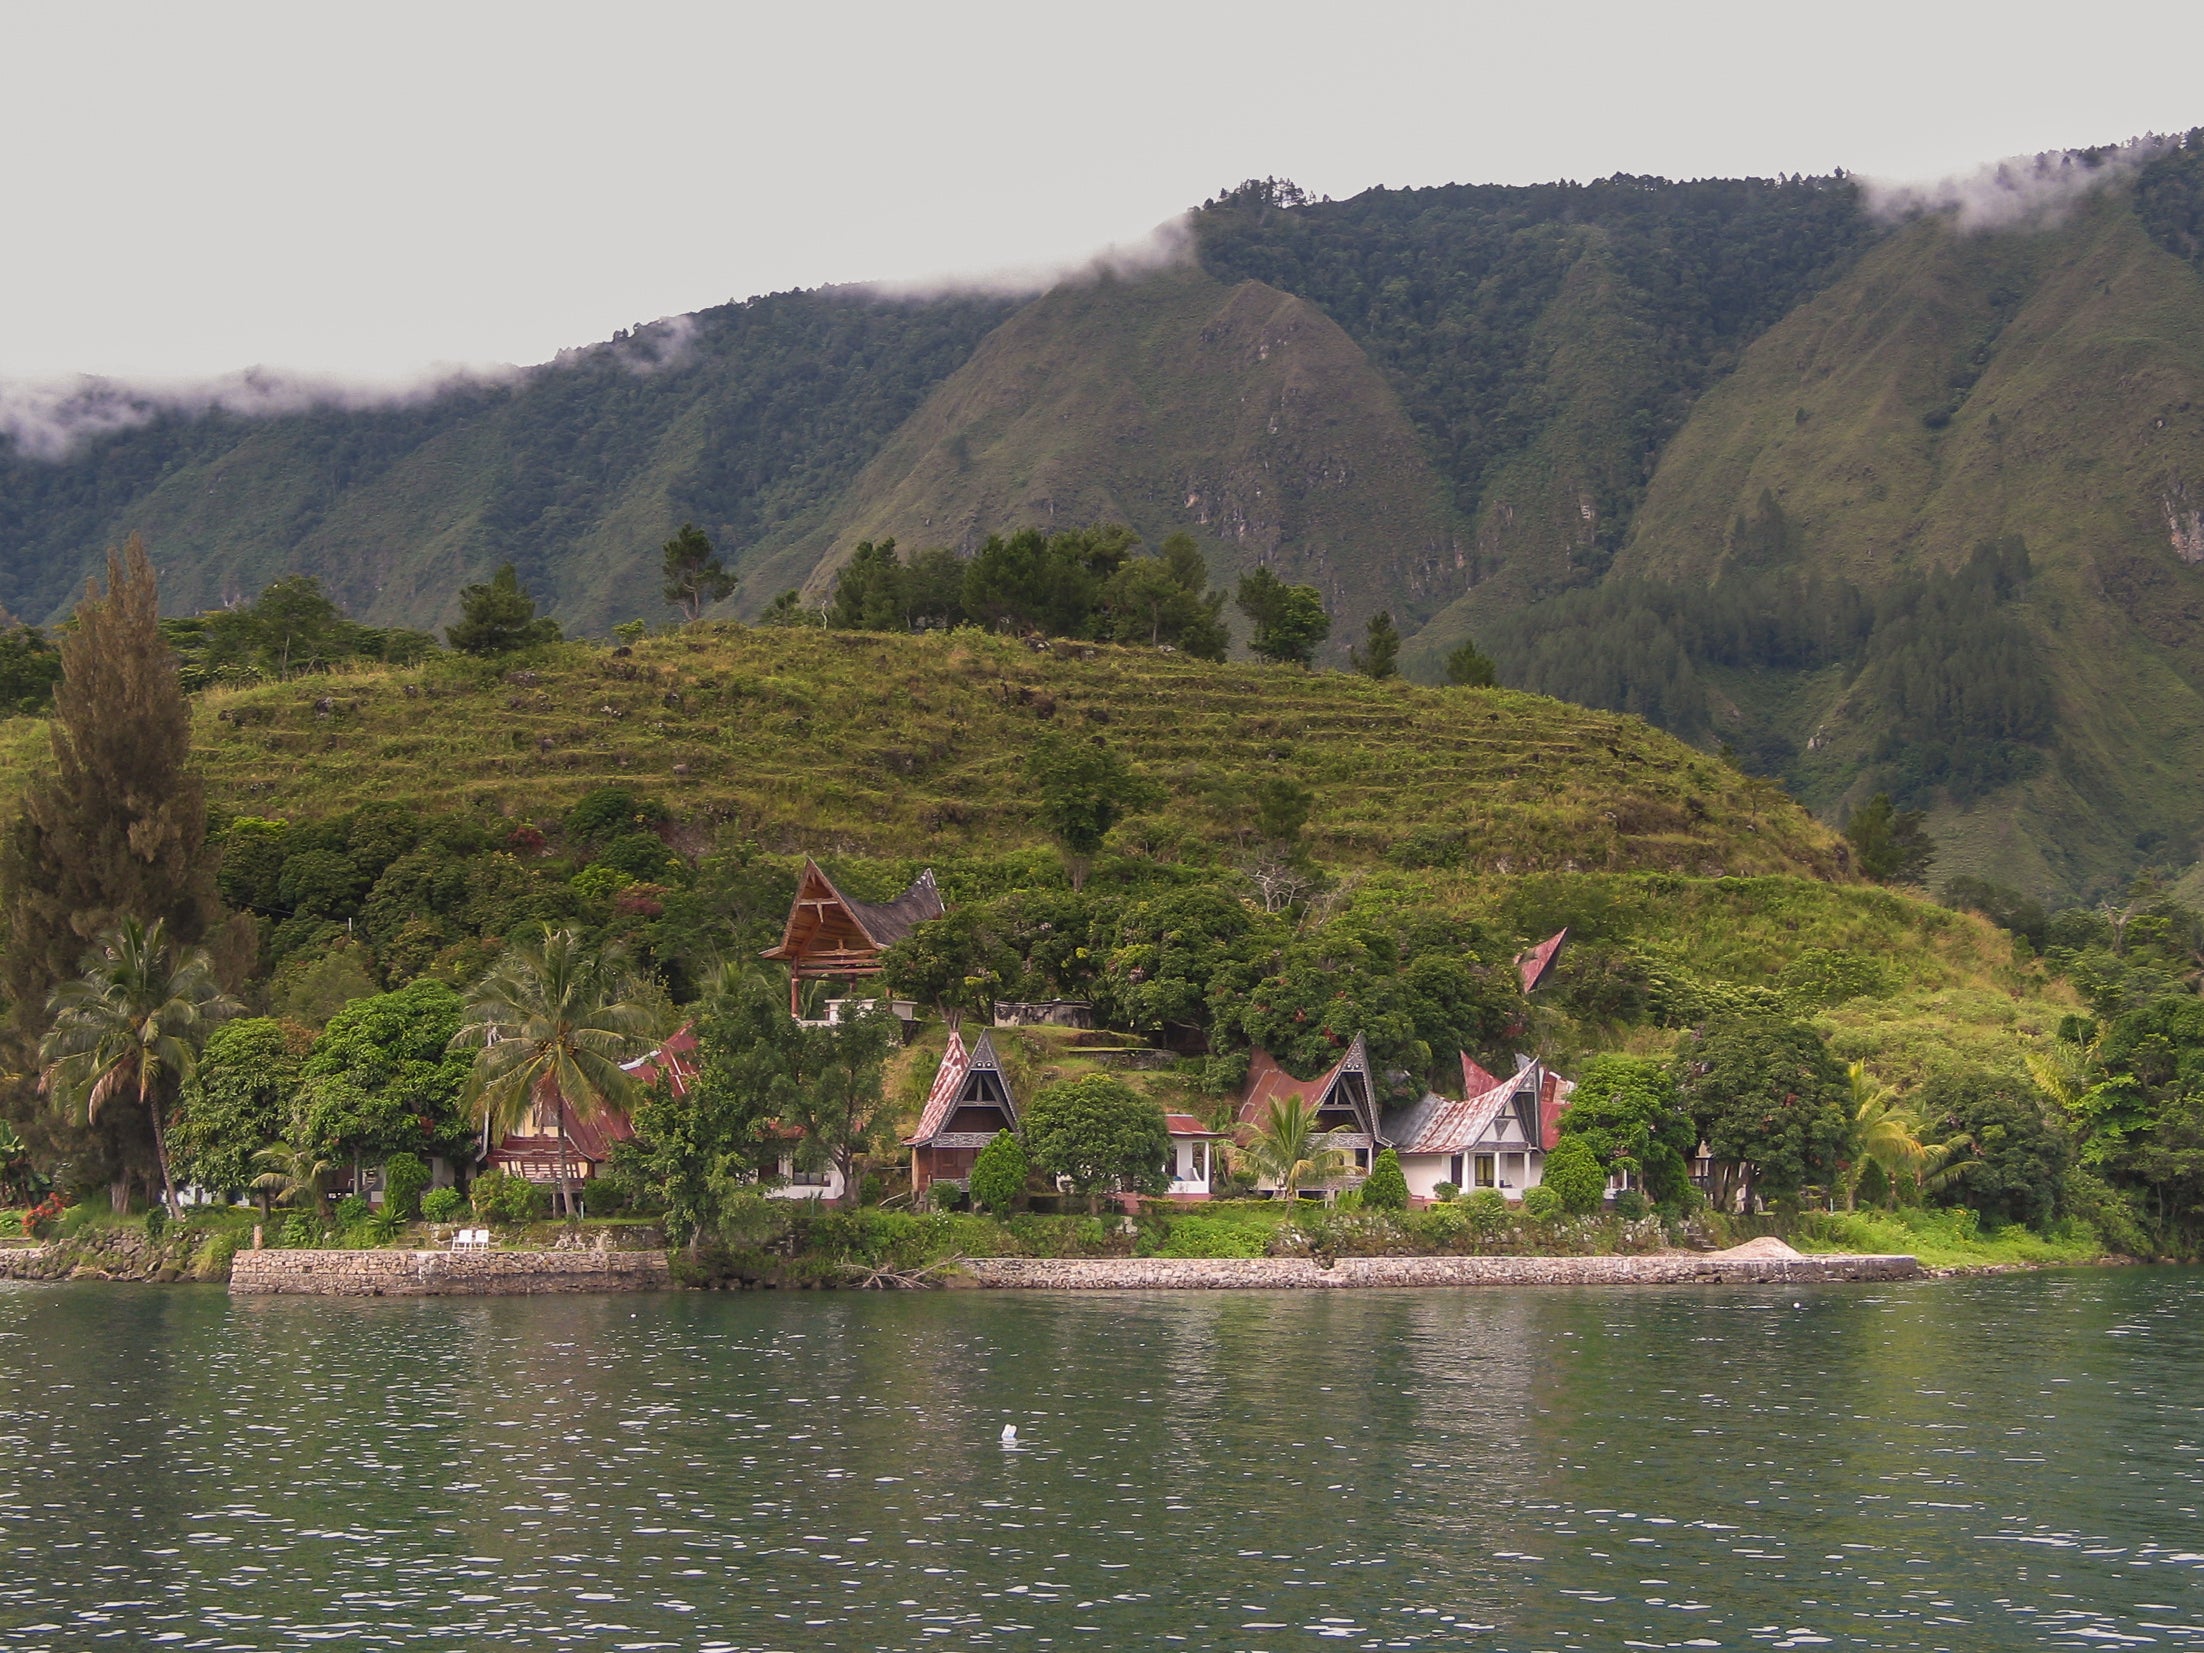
[[2043, 388], [1436, 815], [907, 746]]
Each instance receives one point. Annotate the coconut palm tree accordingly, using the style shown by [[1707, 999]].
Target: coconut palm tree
[[132, 1026], [1883, 1131], [1289, 1151], [551, 1024], [294, 1177]]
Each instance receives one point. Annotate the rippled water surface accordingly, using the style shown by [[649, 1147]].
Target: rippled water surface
[[2009, 1462]]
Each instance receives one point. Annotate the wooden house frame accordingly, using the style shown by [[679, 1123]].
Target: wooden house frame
[[830, 937]]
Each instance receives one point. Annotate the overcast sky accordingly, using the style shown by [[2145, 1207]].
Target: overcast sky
[[370, 189]]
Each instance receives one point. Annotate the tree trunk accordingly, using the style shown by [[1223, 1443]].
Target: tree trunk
[[845, 1163], [160, 1152], [118, 1195], [566, 1192]]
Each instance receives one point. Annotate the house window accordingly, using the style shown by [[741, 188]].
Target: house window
[[1454, 1170], [1487, 1171], [1362, 1159]]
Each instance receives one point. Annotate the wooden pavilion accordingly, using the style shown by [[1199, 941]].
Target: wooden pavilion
[[829, 937]]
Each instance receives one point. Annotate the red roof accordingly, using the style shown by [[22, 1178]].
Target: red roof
[[941, 1101], [1553, 1101], [1268, 1082], [1185, 1124], [592, 1139], [1475, 1080], [1536, 963]]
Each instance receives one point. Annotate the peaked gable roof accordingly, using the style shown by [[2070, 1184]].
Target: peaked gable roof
[[592, 1139], [880, 923], [1441, 1125], [953, 1087], [1538, 962], [1267, 1082]]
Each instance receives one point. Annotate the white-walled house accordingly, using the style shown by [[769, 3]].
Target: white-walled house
[[1193, 1163], [1496, 1136]]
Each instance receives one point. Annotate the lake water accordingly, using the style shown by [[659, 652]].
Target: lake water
[[2000, 1463]]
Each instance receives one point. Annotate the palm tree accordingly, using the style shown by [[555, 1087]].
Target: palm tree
[[1289, 1151], [293, 1177], [552, 1023], [133, 1023], [1882, 1130]]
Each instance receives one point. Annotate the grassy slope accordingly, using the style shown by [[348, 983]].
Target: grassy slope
[[1235, 412], [2081, 432], [913, 745]]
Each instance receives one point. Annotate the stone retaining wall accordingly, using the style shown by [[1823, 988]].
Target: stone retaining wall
[[444, 1273], [1295, 1273]]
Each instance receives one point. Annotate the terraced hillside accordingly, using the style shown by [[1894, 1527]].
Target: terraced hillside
[[881, 744]]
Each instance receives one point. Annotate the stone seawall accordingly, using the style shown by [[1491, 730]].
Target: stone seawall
[[1302, 1274], [444, 1273]]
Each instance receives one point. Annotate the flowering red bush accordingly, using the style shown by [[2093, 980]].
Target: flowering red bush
[[41, 1216]]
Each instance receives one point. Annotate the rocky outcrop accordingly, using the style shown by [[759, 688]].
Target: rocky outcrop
[[444, 1273], [1301, 1274]]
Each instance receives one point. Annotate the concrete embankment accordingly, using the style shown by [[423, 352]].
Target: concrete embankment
[[444, 1273], [1303, 1274]]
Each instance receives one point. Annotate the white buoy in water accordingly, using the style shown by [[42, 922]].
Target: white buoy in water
[[1010, 1434]]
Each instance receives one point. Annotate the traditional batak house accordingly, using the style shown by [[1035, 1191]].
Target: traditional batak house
[[1496, 1137], [829, 937], [970, 1101], [532, 1150], [1343, 1097]]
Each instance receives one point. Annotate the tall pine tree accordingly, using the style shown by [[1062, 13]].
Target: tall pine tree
[[116, 827]]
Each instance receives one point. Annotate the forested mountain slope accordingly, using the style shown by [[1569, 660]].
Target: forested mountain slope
[[1938, 536], [1175, 402], [749, 418]]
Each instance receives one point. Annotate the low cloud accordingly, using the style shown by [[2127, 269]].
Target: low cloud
[[49, 419], [2022, 192], [1170, 243]]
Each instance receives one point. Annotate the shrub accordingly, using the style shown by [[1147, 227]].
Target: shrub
[[1488, 1213], [1575, 1175], [604, 1196], [351, 1212], [1630, 1205], [213, 1260], [1445, 1192], [1208, 1237], [999, 1174], [1541, 1203], [504, 1198], [442, 1205], [1386, 1189], [404, 1176], [156, 1222], [39, 1220]]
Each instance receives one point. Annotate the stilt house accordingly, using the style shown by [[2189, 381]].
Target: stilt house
[[970, 1101], [829, 937]]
